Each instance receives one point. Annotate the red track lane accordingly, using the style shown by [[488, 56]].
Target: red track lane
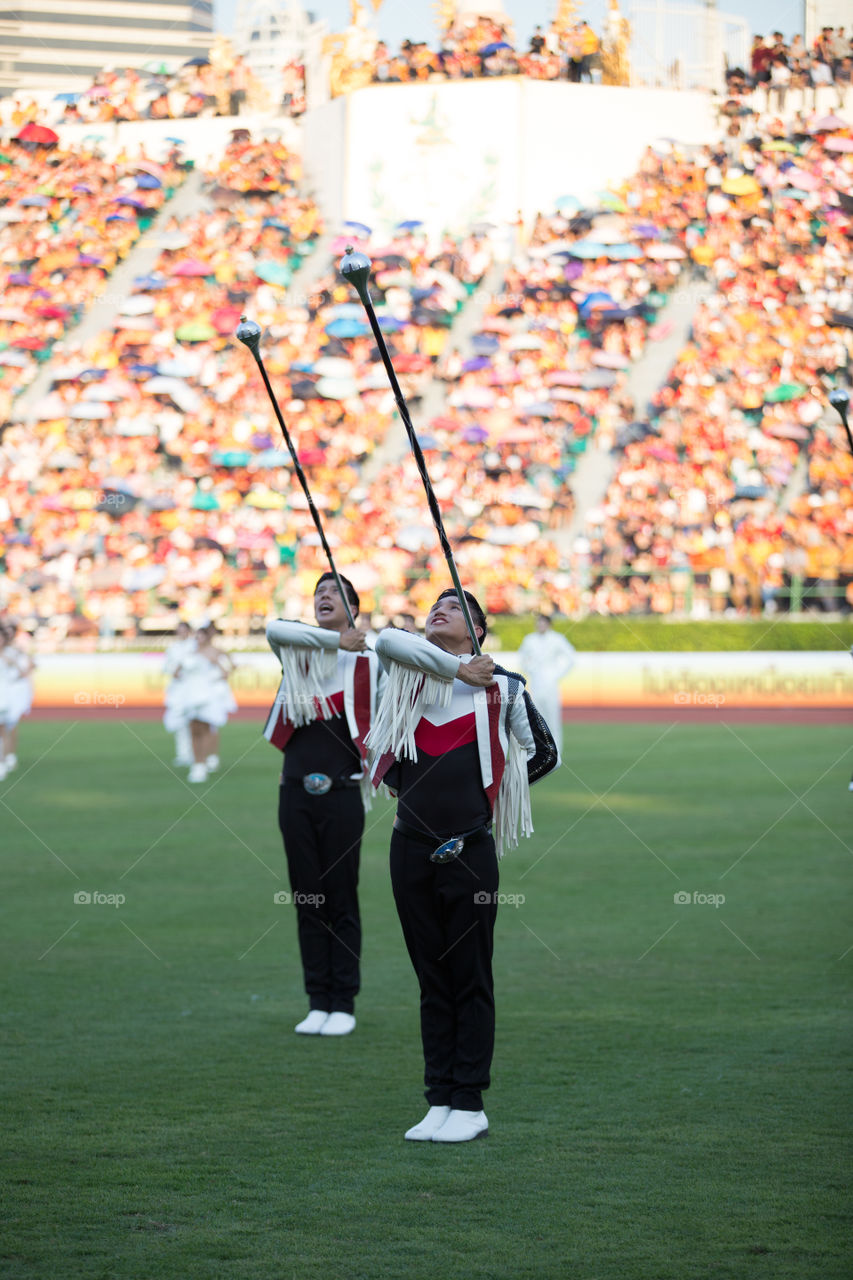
[[571, 715]]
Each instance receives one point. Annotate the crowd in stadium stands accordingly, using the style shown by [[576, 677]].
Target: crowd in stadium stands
[[161, 482], [482, 46], [200, 88], [695, 510], [784, 72], [66, 220], [151, 482]]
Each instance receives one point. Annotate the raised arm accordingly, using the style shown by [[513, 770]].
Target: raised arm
[[414, 651]]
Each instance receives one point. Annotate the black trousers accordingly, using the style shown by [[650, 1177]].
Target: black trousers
[[322, 841], [448, 912]]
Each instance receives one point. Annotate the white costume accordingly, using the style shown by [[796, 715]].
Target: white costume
[[203, 694], [19, 695], [546, 657], [173, 721]]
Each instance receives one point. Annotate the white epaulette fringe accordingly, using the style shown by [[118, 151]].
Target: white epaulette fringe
[[407, 691], [512, 806], [306, 673], [367, 791]]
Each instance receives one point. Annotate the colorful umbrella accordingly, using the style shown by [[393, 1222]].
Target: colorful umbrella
[[39, 134], [192, 267], [195, 331], [274, 272], [743, 185], [784, 392]]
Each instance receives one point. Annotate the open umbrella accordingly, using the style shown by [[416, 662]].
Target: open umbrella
[[598, 379], [274, 272], [596, 301], [838, 144], [495, 47], [192, 267], [828, 124], [197, 62], [786, 430], [743, 185], [784, 392], [360, 227], [35, 202], [665, 252], [149, 282], [587, 249], [525, 342], [347, 329], [90, 410], [225, 319], [411, 224], [39, 134], [778, 144], [137, 305], [478, 362], [231, 457], [568, 204], [148, 182], [195, 331]]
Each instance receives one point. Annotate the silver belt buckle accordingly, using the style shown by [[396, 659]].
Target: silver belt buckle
[[449, 850], [317, 784]]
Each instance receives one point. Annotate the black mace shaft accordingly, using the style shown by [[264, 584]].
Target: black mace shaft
[[249, 333], [356, 268], [840, 401]]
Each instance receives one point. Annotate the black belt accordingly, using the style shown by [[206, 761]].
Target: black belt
[[320, 784], [449, 847]]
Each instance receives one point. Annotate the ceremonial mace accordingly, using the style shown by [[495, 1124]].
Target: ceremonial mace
[[840, 401], [249, 333], [355, 267]]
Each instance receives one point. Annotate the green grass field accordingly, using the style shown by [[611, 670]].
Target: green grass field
[[669, 1095]]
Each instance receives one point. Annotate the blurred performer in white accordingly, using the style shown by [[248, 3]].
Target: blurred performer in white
[[206, 699], [173, 721], [18, 698], [546, 657]]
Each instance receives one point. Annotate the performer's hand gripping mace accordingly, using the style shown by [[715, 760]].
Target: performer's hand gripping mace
[[355, 267], [249, 333], [840, 401]]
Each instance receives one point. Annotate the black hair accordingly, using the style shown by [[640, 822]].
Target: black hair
[[352, 594], [477, 615]]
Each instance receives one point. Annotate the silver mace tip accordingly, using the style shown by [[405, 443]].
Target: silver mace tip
[[356, 268], [840, 400], [249, 333]]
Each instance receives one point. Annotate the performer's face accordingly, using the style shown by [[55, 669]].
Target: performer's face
[[446, 627], [329, 607]]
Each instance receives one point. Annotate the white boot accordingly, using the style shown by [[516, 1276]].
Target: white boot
[[197, 773], [11, 762], [212, 763], [183, 746], [338, 1024], [312, 1025], [462, 1126], [431, 1123]]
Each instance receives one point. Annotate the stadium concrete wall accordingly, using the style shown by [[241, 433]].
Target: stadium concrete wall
[[453, 153], [766, 680]]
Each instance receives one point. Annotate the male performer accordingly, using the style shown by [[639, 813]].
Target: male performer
[[459, 740], [546, 656], [320, 719]]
